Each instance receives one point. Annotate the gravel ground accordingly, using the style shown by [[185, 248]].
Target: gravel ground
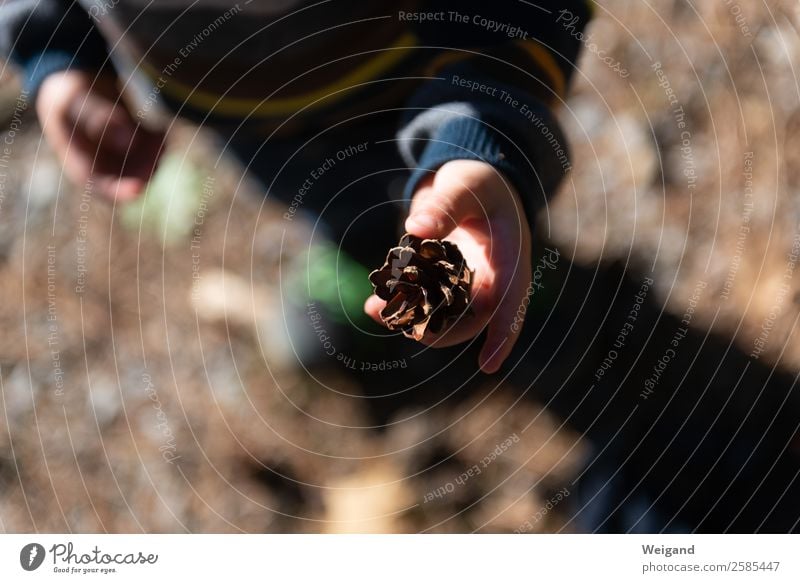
[[137, 396]]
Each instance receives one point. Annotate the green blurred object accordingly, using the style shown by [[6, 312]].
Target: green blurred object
[[169, 205], [328, 276]]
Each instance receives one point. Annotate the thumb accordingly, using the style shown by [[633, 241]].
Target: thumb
[[440, 204]]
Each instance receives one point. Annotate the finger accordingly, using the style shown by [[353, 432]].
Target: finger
[[121, 189], [118, 132], [503, 331], [94, 137], [73, 150], [101, 121], [513, 278], [373, 307], [142, 160], [439, 206], [125, 176]]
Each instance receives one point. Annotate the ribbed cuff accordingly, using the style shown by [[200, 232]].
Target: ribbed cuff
[[467, 138]]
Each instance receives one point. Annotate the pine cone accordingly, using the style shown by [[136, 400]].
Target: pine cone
[[426, 284]]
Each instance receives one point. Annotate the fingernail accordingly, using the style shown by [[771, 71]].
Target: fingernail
[[482, 359], [485, 362]]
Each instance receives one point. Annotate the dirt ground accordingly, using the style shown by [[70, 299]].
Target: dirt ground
[[147, 384]]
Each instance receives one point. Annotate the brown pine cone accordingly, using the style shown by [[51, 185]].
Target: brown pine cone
[[426, 284]]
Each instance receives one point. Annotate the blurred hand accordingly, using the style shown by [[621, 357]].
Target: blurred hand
[[94, 134], [468, 203]]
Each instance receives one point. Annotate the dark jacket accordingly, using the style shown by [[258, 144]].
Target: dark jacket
[[475, 80]]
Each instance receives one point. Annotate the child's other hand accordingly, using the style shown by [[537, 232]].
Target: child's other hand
[[469, 203], [95, 135]]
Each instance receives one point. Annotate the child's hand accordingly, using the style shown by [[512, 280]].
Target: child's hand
[[95, 135], [469, 203]]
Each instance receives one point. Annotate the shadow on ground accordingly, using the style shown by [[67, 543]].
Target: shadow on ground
[[686, 431]]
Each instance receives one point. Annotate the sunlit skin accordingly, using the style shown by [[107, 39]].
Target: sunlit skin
[[95, 136], [470, 204]]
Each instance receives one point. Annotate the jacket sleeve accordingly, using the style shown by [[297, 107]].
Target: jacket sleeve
[[502, 67], [46, 36]]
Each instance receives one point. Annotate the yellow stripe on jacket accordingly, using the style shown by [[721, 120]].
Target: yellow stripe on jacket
[[272, 107]]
